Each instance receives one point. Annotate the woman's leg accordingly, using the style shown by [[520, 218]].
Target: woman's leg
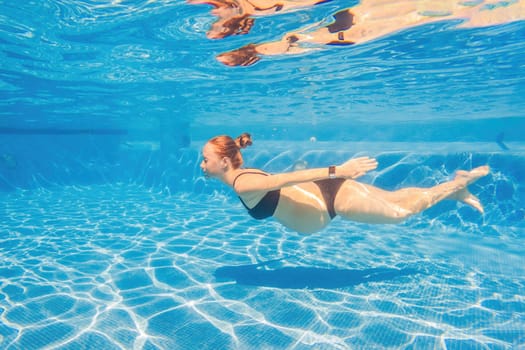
[[365, 203]]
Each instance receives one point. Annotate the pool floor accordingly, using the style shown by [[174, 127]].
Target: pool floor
[[122, 267]]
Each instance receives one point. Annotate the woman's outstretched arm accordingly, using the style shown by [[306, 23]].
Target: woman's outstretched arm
[[351, 169]]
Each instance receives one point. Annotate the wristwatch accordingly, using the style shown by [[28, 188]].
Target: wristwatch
[[331, 172]]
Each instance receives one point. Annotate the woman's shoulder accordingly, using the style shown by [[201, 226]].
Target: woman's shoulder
[[251, 171], [248, 171]]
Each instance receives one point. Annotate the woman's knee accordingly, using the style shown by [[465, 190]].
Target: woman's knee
[[399, 214]]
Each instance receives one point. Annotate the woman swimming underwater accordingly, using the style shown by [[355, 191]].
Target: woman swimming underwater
[[307, 200]]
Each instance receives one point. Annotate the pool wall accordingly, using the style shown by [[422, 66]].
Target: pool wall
[[167, 154]]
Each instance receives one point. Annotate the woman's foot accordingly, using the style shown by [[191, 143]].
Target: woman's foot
[[467, 177], [472, 175], [468, 198]]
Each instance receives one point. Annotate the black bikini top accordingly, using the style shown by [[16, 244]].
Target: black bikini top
[[266, 206]]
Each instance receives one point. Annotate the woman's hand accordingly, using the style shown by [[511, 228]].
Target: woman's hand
[[356, 167]]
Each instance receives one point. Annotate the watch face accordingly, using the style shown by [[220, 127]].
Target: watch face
[[331, 172]]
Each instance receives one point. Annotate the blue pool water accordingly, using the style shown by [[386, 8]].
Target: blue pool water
[[111, 238]]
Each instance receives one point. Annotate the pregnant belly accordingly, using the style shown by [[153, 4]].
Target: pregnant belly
[[302, 208]]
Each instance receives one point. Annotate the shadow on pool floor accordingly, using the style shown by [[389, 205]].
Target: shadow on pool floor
[[307, 277]]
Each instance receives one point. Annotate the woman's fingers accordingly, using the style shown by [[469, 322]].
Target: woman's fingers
[[357, 167], [367, 163]]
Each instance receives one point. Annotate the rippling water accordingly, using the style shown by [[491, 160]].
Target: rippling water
[[129, 63]]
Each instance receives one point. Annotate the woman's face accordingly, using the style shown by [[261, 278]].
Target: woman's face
[[212, 165]]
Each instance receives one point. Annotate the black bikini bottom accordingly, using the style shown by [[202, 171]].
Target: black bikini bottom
[[329, 189]]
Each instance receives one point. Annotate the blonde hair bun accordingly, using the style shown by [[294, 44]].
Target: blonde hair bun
[[244, 140]]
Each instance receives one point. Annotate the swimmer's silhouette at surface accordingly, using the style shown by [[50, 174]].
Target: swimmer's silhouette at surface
[[372, 19], [307, 200]]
